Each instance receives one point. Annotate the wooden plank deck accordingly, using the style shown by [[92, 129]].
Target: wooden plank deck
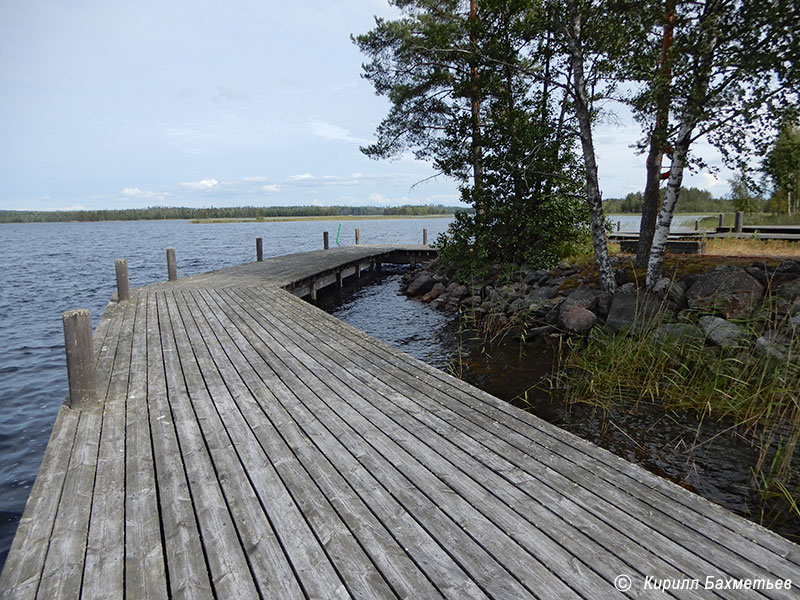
[[249, 445]]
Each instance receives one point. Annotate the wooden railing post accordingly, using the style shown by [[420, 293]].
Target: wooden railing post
[[424, 237], [697, 225], [172, 267], [357, 237], [325, 240], [80, 357], [123, 282], [259, 249], [721, 216], [619, 225], [737, 227]]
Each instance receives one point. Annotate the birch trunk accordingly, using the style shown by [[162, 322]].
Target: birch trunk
[[594, 199]]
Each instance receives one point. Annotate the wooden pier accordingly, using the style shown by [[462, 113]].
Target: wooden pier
[[245, 444]]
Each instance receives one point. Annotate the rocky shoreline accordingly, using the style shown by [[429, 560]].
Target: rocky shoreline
[[703, 307]]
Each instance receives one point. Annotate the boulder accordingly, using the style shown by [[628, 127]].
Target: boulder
[[773, 345], [582, 298], [542, 293], [471, 302], [420, 285], [722, 332], [788, 290], [437, 290], [633, 311], [576, 319], [790, 265], [677, 333], [728, 290]]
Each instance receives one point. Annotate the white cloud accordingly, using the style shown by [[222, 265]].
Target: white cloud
[[73, 207], [271, 188], [256, 179], [301, 177], [203, 184], [135, 192], [332, 132]]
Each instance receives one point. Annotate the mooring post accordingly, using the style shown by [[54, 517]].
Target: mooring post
[[721, 216], [357, 237], [737, 227], [697, 225], [259, 249], [172, 268], [619, 225], [80, 357], [123, 282], [339, 278], [313, 293], [325, 240], [424, 237]]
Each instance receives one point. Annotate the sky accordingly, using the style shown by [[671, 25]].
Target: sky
[[109, 104]]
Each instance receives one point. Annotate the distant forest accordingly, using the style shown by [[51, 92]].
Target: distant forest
[[159, 213], [690, 200]]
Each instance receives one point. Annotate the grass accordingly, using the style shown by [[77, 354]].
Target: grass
[[318, 218], [758, 395]]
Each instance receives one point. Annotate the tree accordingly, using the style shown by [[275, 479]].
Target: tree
[[743, 196], [471, 91], [782, 165], [739, 78]]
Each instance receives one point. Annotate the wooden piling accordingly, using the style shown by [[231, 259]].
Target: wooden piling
[[424, 237], [697, 225], [737, 227], [259, 249], [123, 281], [325, 244], [80, 357], [358, 237], [721, 216], [339, 278], [172, 267], [619, 225]]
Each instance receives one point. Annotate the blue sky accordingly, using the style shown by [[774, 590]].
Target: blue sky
[[109, 104]]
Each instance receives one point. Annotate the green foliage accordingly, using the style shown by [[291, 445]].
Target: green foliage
[[235, 212], [743, 196], [692, 200], [782, 166]]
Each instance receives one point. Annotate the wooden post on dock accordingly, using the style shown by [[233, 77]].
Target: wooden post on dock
[[325, 240], [313, 293], [80, 357], [619, 225], [123, 282], [737, 227], [357, 237], [259, 249], [697, 224], [721, 216], [172, 267], [339, 278], [424, 237]]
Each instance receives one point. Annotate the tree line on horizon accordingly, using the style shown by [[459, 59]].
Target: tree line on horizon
[[161, 213]]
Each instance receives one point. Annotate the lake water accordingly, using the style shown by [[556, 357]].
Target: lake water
[[47, 268]]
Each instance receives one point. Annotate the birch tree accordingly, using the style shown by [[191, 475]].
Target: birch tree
[[737, 79]]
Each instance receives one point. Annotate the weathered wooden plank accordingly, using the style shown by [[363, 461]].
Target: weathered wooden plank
[[316, 445], [575, 461], [23, 569], [240, 467], [549, 511], [145, 571], [63, 568], [453, 529], [343, 551], [105, 558], [488, 519], [176, 467]]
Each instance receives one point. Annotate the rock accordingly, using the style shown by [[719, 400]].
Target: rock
[[420, 285], [437, 290], [677, 333], [539, 331], [728, 290], [633, 312], [773, 345], [471, 302], [788, 290], [721, 332], [677, 294], [460, 291], [582, 298], [662, 285], [760, 275], [542, 293], [576, 319], [627, 288], [794, 322], [603, 304], [789, 265], [535, 277]]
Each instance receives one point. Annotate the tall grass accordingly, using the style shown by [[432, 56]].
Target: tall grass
[[757, 394]]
